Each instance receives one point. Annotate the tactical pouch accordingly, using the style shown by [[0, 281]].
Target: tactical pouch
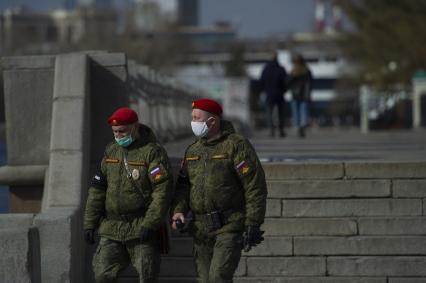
[[215, 222]]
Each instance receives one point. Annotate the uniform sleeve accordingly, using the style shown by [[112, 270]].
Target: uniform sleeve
[[252, 177], [161, 178], [95, 204], [181, 197]]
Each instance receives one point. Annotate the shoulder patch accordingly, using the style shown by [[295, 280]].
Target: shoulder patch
[[242, 167], [156, 173]]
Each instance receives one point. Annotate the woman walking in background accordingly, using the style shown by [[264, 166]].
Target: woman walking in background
[[300, 84]]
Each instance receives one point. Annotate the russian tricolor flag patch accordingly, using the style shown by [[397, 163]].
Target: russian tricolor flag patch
[[242, 167], [156, 173]]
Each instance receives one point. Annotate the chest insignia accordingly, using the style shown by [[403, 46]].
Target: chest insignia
[[112, 160], [135, 174], [137, 163], [220, 156], [192, 158]]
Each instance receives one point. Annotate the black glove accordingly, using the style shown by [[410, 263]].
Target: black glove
[[89, 236], [146, 234], [179, 224], [252, 237]]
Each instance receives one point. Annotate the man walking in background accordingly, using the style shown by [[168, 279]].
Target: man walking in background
[[273, 83]]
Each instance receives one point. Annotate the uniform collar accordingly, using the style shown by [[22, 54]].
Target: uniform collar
[[226, 128], [146, 135]]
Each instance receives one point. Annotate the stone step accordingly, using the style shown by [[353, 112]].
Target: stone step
[[301, 171], [309, 226], [337, 226], [391, 266], [161, 280], [370, 245], [300, 226], [277, 279], [317, 189], [352, 207], [271, 246], [285, 266], [409, 188], [183, 267], [392, 225], [338, 170], [380, 170]]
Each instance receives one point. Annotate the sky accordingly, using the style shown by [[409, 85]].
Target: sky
[[260, 18], [254, 18]]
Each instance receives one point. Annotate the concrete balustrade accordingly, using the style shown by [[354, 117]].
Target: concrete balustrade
[[54, 143]]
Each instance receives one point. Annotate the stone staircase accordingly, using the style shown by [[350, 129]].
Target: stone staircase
[[330, 222]]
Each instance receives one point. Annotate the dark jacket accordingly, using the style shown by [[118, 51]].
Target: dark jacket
[[273, 81], [301, 86]]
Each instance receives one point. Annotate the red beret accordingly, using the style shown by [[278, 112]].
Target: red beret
[[208, 105], [123, 116]]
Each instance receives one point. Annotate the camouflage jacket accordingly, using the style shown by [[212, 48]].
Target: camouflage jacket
[[119, 204], [222, 173]]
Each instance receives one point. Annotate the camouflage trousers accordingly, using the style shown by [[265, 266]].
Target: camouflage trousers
[[217, 258], [111, 257]]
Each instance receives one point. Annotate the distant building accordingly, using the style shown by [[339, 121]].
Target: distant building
[[188, 12], [28, 32], [210, 35], [328, 16], [85, 24], [147, 15], [97, 3], [21, 28], [69, 4]]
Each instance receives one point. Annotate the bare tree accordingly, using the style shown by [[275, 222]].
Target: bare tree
[[388, 43]]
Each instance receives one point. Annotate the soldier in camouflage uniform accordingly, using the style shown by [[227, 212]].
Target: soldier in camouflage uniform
[[222, 182], [128, 200]]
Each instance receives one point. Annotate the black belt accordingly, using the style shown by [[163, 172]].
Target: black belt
[[207, 216], [125, 217]]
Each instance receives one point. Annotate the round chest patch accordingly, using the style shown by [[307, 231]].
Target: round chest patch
[[135, 174]]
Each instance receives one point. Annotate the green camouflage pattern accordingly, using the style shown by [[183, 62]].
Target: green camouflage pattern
[[111, 257], [144, 201], [216, 260], [224, 173]]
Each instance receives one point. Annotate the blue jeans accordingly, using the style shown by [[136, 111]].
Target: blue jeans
[[300, 113]]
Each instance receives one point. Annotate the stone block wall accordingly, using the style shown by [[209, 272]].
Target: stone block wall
[[331, 222], [342, 222]]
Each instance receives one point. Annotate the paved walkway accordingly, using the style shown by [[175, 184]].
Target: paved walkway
[[333, 144]]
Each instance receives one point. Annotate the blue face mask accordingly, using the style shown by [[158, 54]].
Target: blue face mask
[[124, 141]]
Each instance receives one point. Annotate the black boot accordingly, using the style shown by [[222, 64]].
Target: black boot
[[272, 133], [282, 134]]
